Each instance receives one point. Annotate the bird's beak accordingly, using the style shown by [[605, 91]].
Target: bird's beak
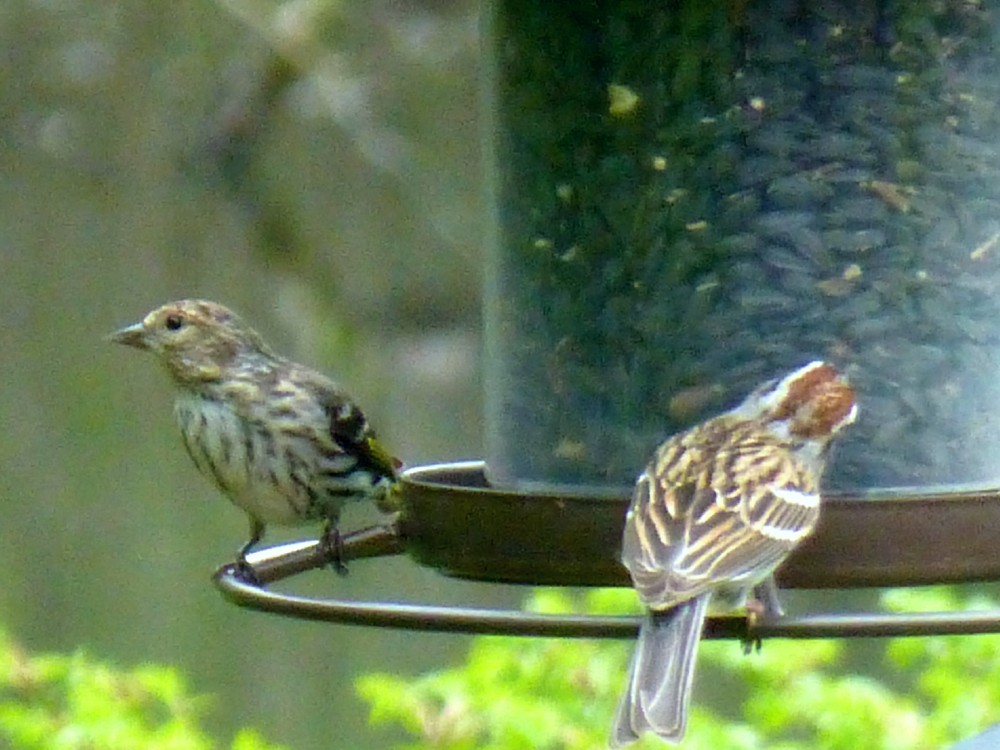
[[133, 335]]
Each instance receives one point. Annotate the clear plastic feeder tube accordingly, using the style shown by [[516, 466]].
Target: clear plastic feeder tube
[[692, 197]]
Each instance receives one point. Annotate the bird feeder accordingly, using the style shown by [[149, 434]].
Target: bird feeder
[[685, 200]]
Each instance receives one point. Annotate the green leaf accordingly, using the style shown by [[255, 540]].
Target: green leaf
[[794, 695]]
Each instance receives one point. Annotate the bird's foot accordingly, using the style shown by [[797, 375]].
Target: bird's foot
[[763, 605], [755, 613], [245, 571], [332, 546]]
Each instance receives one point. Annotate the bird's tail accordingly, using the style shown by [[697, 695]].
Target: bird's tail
[[659, 681]]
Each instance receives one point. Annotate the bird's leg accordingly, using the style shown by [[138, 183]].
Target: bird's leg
[[764, 605], [766, 593], [332, 545], [245, 569]]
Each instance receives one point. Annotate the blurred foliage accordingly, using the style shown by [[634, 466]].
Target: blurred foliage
[[54, 701], [548, 693], [340, 85]]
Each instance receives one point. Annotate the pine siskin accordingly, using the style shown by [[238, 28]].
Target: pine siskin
[[718, 508], [282, 441]]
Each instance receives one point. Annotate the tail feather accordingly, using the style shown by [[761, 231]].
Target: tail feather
[[658, 691]]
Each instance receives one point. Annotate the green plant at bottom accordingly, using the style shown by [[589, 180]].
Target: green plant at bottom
[[513, 693], [73, 702]]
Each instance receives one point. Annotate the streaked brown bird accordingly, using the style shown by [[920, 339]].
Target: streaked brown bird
[[718, 508], [283, 442]]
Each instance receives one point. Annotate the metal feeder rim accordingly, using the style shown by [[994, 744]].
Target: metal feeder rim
[[481, 621], [275, 563], [429, 476], [455, 521]]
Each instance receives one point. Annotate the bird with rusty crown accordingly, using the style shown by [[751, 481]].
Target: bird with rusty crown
[[281, 441], [718, 508]]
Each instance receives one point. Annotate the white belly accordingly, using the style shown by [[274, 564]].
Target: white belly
[[250, 467]]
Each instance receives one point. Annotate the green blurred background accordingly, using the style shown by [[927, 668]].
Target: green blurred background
[[314, 165]]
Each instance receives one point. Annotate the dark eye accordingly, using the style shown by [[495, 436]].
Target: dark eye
[[174, 322]]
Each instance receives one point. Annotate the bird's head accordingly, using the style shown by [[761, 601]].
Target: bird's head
[[809, 405], [194, 339]]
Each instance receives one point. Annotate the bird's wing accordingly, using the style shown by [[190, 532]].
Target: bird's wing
[[690, 533], [349, 428]]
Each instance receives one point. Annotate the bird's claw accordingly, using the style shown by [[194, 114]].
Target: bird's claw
[[332, 546], [765, 604], [245, 572], [756, 610]]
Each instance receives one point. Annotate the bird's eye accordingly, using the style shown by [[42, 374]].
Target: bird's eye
[[174, 322]]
